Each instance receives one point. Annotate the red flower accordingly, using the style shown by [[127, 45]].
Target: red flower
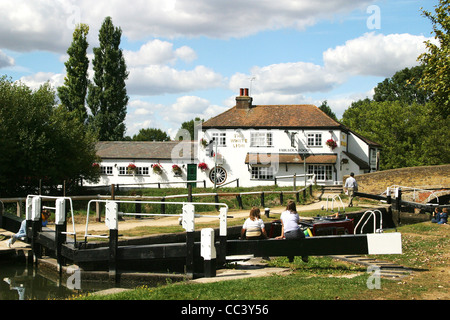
[[331, 143], [203, 166]]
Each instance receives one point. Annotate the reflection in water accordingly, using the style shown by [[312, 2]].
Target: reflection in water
[[18, 282]]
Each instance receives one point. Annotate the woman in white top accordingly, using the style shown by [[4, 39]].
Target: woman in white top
[[253, 227], [290, 228]]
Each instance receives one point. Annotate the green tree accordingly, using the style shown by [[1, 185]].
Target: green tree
[[327, 109], [73, 93], [436, 75], [403, 86], [187, 129], [41, 142], [107, 97], [151, 134], [409, 134]]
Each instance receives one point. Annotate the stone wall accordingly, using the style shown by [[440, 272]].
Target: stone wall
[[430, 177]]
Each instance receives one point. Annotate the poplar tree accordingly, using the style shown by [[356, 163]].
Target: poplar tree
[[73, 93], [107, 97]]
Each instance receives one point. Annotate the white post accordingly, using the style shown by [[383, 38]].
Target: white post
[[111, 215], [36, 209], [208, 252], [60, 212], [188, 224], [112, 222], [223, 235]]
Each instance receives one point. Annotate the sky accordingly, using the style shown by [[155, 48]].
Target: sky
[[189, 58]]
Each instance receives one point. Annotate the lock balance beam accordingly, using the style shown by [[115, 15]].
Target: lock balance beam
[[380, 243]]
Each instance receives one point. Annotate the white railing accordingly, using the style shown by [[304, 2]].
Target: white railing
[[393, 188], [373, 214], [186, 218], [33, 210], [336, 196]]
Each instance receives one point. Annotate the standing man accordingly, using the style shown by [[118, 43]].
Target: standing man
[[351, 186]]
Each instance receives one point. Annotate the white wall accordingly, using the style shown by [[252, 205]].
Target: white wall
[[166, 176], [238, 146]]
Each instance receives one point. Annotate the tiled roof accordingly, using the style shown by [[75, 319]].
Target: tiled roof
[[273, 116], [146, 150]]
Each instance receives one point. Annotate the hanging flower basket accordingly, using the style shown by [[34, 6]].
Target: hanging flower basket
[[203, 166], [176, 170], [96, 166], [157, 168], [131, 169], [331, 143]]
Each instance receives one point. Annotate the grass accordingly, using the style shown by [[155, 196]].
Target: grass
[[425, 250]]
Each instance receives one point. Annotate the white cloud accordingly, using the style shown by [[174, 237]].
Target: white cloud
[[375, 54], [5, 61], [157, 52], [34, 81], [158, 80], [143, 114], [36, 25], [369, 55], [186, 54], [187, 108], [287, 79], [48, 25]]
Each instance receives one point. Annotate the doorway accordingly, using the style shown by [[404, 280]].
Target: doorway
[[192, 174]]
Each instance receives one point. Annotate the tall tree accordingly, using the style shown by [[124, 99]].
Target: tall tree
[[107, 97], [73, 93], [436, 76]]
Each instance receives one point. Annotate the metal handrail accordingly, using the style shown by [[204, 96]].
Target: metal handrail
[[53, 208], [332, 202], [373, 214]]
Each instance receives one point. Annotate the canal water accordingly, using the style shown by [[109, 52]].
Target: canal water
[[19, 282]]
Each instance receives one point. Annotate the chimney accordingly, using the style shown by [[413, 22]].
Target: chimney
[[244, 101]]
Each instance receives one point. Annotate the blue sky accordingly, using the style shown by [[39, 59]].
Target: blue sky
[[188, 58]]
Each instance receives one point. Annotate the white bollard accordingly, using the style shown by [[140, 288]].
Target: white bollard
[[208, 252]]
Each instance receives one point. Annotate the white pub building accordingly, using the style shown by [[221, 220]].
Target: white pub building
[[257, 144], [260, 143]]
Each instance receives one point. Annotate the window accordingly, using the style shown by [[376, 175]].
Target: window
[[221, 138], [106, 170], [314, 139], [323, 173], [140, 171], [143, 171], [261, 139], [262, 173]]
